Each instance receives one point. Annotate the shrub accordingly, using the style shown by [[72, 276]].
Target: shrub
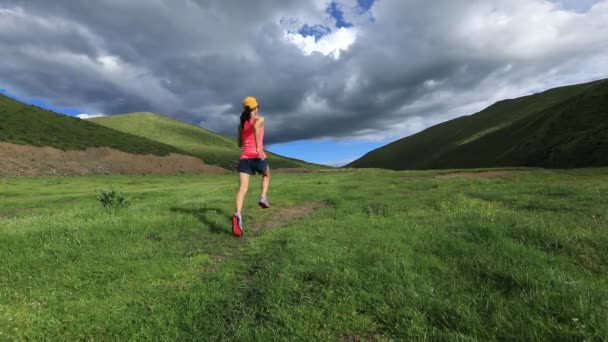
[[113, 200]]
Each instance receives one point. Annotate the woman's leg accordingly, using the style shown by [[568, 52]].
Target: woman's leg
[[240, 196], [265, 181]]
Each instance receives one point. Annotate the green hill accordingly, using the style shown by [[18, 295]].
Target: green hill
[[140, 133], [213, 148], [560, 128], [30, 125]]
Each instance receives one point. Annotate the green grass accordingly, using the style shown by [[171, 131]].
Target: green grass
[[213, 148], [30, 125], [560, 128], [394, 256]]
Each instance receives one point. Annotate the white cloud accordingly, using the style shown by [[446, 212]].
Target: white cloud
[[110, 63], [89, 116], [330, 44], [415, 64]]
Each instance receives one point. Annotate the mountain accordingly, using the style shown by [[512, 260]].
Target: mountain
[[564, 127], [30, 125], [213, 148]]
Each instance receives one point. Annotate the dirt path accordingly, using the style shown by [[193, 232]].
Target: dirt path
[[280, 217], [276, 218]]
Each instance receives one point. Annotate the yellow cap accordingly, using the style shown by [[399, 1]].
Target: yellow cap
[[250, 102]]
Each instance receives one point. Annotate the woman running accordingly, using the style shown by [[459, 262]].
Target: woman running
[[253, 159]]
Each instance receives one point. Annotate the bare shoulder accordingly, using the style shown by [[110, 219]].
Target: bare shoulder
[[259, 121]]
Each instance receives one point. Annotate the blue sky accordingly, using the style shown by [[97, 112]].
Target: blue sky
[[327, 152], [44, 104], [577, 5], [335, 11]]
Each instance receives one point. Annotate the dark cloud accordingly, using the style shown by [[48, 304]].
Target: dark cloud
[[411, 64]]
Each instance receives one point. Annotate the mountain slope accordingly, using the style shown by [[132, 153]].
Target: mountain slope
[[30, 125], [213, 148], [559, 128]]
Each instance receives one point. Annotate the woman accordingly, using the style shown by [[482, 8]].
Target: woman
[[253, 159]]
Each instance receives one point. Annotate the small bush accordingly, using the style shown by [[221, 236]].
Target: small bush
[[113, 200]]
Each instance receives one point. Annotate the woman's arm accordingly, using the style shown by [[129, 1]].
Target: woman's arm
[[257, 129]]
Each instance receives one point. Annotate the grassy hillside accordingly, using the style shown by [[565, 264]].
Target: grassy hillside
[[30, 125], [518, 258], [213, 148], [559, 128]]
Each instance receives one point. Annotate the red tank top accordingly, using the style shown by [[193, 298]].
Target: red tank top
[[248, 138]]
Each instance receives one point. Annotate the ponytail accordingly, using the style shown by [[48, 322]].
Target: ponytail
[[245, 116]]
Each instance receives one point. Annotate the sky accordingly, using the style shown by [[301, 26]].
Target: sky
[[334, 79]]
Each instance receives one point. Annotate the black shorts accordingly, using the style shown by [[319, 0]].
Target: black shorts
[[253, 166]]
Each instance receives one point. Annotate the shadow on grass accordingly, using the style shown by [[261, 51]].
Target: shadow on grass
[[206, 216]]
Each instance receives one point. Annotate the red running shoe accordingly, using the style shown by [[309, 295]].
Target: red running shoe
[[237, 225]]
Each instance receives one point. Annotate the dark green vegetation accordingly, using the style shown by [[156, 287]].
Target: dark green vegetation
[[561, 128], [213, 148], [393, 256], [30, 125]]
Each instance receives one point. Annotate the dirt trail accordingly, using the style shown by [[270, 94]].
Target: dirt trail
[[25, 160], [282, 216], [482, 174], [277, 217]]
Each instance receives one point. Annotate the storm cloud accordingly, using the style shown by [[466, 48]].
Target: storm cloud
[[370, 73]]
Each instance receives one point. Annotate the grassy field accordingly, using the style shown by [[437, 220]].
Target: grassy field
[[213, 148], [564, 127], [386, 256]]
